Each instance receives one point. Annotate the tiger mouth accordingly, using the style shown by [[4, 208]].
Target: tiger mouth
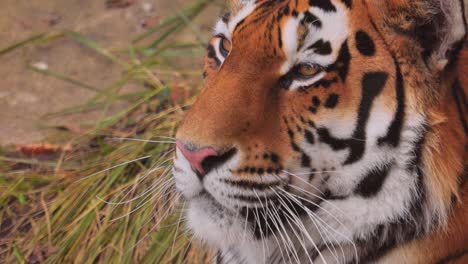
[[270, 216]]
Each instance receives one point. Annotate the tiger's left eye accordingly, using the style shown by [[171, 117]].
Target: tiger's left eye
[[225, 46], [307, 70]]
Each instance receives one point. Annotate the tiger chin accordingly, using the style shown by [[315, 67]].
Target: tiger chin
[[330, 131]]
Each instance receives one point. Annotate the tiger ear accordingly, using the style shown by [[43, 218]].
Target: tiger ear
[[439, 26]]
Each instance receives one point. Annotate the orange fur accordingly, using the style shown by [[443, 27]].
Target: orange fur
[[237, 106]]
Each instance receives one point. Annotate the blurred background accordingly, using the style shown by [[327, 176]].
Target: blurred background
[[90, 96]]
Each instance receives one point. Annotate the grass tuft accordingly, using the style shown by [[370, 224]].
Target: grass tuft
[[110, 199]]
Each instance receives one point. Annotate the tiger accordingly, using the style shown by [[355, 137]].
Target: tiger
[[330, 131]]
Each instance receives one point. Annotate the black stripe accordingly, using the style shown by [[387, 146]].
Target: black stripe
[[253, 198], [309, 137], [239, 27], [212, 54], [219, 258], [460, 100], [321, 47], [373, 182], [249, 185], [280, 38], [372, 85], [342, 62], [348, 3], [310, 18], [225, 18], [364, 43], [326, 5], [332, 101], [393, 136], [453, 257], [265, 223], [325, 83]]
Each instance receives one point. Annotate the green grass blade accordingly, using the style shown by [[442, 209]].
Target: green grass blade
[[94, 46], [64, 78], [21, 44]]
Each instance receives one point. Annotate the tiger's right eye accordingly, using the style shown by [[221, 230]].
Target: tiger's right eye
[[225, 46], [307, 70]]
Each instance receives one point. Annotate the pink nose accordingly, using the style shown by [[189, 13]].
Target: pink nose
[[196, 156]]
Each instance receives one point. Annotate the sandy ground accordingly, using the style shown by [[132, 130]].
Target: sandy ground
[[26, 96]]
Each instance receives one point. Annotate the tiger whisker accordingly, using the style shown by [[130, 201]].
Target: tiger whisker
[[165, 214], [113, 167], [301, 226], [314, 195], [262, 238], [317, 205], [324, 200], [328, 239], [261, 231], [290, 243], [151, 188], [177, 229], [156, 167], [312, 217], [167, 185], [189, 244], [329, 213], [276, 222], [267, 216], [274, 218], [325, 237], [245, 225], [144, 140], [313, 173]]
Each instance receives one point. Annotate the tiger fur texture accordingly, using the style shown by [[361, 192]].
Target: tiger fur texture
[[331, 131]]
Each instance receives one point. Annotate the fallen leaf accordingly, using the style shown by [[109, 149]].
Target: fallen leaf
[[119, 3], [38, 149]]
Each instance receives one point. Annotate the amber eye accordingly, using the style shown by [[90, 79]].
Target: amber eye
[[225, 46], [307, 70]]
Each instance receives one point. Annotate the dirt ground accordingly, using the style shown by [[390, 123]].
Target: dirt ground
[[26, 96]]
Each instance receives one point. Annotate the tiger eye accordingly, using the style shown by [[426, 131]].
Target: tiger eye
[[225, 46], [307, 70]]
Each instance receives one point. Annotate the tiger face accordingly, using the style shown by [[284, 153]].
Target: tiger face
[[306, 142]]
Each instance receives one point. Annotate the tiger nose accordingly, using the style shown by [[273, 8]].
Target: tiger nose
[[203, 159]]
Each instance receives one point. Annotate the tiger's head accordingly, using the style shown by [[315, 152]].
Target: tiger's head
[[316, 129]]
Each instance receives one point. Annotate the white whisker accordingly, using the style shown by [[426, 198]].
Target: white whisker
[[290, 243], [168, 185], [177, 229], [113, 167], [153, 186], [144, 140], [166, 213], [301, 226], [326, 224]]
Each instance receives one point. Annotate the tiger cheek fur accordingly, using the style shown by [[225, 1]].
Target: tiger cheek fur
[[312, 139]]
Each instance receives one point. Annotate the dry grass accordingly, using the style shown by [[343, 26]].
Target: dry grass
[[109, 199]]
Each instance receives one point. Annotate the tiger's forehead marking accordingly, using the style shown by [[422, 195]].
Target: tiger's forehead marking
[[306, 31], [314, 34]]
